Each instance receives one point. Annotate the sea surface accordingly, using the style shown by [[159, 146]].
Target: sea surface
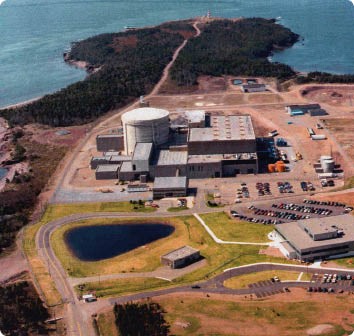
[[35, 33]]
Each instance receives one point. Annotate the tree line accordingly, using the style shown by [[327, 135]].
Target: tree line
[[228, 47]]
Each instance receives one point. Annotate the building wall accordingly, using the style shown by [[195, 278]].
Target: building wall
[[204, 170], [221, 147], [111, 175], [162, 193], [131, 175], [240, 167], [112, 142], [178, 263], [166, 171]]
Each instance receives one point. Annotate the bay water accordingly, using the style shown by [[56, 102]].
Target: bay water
[[35, 33]]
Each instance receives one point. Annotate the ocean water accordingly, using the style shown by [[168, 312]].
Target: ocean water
[[35, 33]]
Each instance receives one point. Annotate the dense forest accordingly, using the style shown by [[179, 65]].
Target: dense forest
[[130, 64], [19, 197], [21, 311], [137, 319], [324, 77], [234, 48]]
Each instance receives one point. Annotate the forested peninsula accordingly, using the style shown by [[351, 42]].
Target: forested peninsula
[[130, 63]]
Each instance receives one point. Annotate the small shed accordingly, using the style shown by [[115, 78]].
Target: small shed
[[181, 257]]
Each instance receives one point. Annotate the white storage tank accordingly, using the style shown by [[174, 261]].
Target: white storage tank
[[145, 124], [327, 164]]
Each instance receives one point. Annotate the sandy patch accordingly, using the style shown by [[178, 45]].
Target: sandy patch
[[320, 330]]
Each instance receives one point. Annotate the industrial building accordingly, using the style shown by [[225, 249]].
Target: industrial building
[[197, 145], [318, 238], [314, 110], [248, 88], [109, 142], [181, 257], [175, 186]]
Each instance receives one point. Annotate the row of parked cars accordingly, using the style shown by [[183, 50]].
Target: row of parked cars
[[307, 186], [322, 290], [235, 214], [333, 278], [303, 209], [326, 203], [285, 187], [279, 214], [263, 188]]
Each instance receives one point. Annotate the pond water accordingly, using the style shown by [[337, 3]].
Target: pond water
[[92, 243]]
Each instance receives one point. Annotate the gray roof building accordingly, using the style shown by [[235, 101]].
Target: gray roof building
[[317, 238], [181, 257]]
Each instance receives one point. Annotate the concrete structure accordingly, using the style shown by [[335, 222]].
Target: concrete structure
[[195, 119], [110, 142], [170, 163], [145, 125], [181, 257], [253, 88], [107, 172], [318, 238], [226, 135], [206, 146], [170, 187]]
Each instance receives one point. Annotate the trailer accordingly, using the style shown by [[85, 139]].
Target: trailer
[[311, 132], [318, 137]]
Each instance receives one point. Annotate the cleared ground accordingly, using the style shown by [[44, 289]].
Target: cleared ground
[[290, 314]]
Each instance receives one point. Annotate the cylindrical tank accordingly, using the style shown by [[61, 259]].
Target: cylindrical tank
[[271, 168], [327, 165], [281, 168], [145, 125]]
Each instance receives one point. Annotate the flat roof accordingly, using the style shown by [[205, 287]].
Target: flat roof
[[253, 85], [108, 168], [234, 127], [195, 116], [127, 167], [173, 182], [305, 106], [296, 235], [221, 157], [179, 253], [113, 135], [120, 158], [167, 158], [142, 151]]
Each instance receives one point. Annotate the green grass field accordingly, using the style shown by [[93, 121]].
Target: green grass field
[[118, 287], [230, 229], [243, 281]]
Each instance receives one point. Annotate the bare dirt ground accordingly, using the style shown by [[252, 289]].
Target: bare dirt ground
[[293, 314], [335, 95], [12, 264]]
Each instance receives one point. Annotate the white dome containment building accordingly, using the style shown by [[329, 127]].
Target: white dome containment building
[[145, 125]]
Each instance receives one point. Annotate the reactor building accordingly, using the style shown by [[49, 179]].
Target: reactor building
[[197, 146]]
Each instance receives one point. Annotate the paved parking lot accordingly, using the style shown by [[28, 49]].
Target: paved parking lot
[[280, 212]]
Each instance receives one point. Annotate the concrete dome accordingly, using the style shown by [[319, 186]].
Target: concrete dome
[[145, 125], [144, 114]]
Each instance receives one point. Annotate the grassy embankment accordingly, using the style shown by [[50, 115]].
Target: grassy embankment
[[188, 231], [226, 228], [53, 212], [243, 281], [290, 316]]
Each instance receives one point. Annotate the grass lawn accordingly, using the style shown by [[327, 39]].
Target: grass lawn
[[118, 287], [226, 228], [188, 231], [346, 262], [55, 211], [243, 281], [219, 315]]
